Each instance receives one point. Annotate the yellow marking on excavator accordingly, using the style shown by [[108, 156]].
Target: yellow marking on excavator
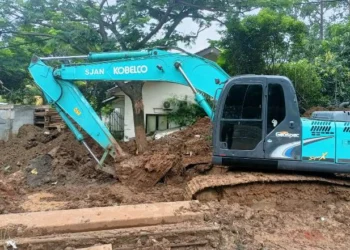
[[323, 157], [77, 111]]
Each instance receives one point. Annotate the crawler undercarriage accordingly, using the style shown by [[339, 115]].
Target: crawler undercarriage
[[219, 182]]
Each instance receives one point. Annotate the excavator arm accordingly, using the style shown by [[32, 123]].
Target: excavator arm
[[154, 65]]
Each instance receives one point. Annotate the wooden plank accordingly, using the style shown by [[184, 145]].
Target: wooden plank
[[89, 219], [102, 247]]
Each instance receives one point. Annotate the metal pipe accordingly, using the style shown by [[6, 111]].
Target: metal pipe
[[52, 58], [101, 56], [200, 99], [92, 154], [178, 66], [117, 55]]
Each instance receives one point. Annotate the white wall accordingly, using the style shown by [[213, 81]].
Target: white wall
[[6, 121], [154, 94], [24, 114], [12, 117]]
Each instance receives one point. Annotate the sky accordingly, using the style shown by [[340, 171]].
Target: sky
[[211, 33], [188, 25]]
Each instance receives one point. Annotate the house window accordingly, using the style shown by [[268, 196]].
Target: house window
[[156, 122]]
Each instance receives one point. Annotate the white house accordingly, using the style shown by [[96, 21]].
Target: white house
[[155, 95]]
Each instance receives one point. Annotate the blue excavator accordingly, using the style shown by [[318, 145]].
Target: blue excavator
[[256, 121]]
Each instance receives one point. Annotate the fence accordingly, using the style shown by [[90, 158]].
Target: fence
[[115, 124]]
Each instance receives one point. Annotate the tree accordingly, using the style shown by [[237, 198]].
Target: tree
[[185, 112], [261, 43], [307, 83], [101, 25], [333, 63], [335, 77]]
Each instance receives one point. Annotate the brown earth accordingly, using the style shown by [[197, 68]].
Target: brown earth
[[309, 112], [53, 171], [55, 163]]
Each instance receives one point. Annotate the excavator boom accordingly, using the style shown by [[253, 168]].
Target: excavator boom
[[201, 75]]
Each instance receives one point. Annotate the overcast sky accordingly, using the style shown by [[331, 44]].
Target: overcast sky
[[211, 33]]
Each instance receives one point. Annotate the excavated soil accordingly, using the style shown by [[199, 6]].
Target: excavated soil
[[52, 171], [309, 112], [55, 169]]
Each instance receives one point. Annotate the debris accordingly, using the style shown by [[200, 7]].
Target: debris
[[53, 152], [11, 243]]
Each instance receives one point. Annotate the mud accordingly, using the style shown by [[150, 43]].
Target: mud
[[168, 157], [71, 164], [286, 197], [309, 112], [56, 168], [40, 172]]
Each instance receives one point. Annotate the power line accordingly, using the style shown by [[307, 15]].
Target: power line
[[225, 10]]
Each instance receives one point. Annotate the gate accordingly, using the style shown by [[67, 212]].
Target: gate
[[115, 124]]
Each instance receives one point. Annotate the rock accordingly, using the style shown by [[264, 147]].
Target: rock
[[39, 171], [53, 152]]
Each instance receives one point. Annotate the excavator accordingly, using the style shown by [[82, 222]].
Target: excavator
[[256, 120]]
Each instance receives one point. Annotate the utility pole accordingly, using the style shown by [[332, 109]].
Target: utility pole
[[322, 20]]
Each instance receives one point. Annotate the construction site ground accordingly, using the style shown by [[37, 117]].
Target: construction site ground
[[41, 171]]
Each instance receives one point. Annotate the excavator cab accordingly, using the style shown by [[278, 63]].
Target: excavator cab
[[257, 123]]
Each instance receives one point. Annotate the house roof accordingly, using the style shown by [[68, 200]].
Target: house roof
[[211, 53]]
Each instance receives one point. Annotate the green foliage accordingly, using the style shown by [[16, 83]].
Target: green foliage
[[272, 42], [335, 77], [259, 44], [306, 81], [95, 92], [185, 112], [284, 37], [24, 95], [69, 27], [107, 109]]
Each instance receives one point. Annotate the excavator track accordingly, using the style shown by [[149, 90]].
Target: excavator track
[[202, 183]]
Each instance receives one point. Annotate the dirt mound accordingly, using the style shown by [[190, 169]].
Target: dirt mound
[[30, 142], [28, 151], [168, 157], [309, 112], [55, 162], [31, 151]]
